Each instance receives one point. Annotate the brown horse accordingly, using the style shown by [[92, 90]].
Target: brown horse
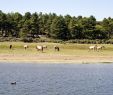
[[10, 46], [56, 48]]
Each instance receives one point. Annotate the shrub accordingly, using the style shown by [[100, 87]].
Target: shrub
[[27, 39]]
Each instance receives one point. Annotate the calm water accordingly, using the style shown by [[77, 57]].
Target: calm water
[[56, 79]]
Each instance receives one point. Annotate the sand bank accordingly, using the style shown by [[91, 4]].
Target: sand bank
[[40, 58]]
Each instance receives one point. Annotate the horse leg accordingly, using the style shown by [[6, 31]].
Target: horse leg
[[42, 49], [58, 49], [55, 48]]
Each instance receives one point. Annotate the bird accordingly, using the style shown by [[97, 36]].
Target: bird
[[13, 83]]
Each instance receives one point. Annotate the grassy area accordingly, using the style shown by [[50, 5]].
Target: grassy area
[[65, 49]]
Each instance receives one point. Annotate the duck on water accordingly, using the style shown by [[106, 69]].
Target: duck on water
[[13, 83]]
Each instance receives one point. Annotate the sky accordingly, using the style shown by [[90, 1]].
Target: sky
[[98, 8]]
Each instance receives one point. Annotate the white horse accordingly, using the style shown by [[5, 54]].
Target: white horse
[[25, 46], [39, 48], [93, 47], [100, 48]]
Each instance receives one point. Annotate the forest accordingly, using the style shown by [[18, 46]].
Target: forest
[[51, 25]]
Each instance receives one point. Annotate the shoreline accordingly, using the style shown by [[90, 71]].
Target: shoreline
[[52, 59]]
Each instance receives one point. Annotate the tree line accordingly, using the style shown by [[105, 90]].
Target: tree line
[[54, 26]]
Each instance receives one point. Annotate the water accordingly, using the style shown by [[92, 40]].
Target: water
[[56, 79]]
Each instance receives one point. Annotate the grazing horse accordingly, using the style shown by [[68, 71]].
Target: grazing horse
[[25, 46], [10, 46], [93, 47], [100, 48], [56, 48], [39, 48]]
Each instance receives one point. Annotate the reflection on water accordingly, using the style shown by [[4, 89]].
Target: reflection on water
[[56, 79]]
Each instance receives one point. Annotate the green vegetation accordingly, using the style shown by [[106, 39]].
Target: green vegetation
[[33, 27]]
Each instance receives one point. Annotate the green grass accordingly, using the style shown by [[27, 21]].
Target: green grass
[[65, 49]]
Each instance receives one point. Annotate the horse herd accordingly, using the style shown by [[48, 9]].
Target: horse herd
[[38, 47], [57, 48]]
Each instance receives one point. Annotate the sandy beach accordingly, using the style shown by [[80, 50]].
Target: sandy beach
[[42, 58]]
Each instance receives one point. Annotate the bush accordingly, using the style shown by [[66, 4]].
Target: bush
[[87, 41], [79, 41], [10, 39], [27, 39]]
